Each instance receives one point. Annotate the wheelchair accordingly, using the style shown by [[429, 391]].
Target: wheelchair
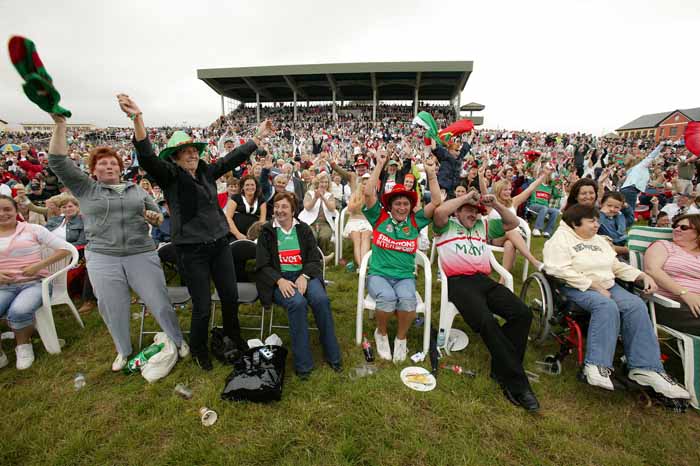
[[567, 323]]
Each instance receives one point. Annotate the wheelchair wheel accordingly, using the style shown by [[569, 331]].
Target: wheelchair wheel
[[537, 296]]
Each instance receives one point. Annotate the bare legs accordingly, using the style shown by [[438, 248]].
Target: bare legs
[[405, 319], [360, 245]]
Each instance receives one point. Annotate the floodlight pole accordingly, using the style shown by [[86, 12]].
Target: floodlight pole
[[257, 106]]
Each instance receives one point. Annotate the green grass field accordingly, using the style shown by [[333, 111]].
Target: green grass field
[[327, 420]]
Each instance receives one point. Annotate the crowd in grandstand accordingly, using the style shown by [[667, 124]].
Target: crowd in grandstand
[[284, 182]]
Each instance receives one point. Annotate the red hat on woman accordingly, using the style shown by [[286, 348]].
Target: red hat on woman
[[399, 190]]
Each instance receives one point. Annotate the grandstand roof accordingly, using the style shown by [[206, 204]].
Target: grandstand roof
[[352, 81]]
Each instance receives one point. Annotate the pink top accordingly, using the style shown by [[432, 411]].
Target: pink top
[[682, 266], [24, 250]]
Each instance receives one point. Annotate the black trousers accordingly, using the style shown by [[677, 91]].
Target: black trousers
[[478, 298], [200, 264]]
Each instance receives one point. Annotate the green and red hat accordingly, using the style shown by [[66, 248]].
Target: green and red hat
[[177, 141], [38, 85]]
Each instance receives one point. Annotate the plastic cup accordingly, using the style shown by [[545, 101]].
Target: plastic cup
[[208, 416], [183, 391]]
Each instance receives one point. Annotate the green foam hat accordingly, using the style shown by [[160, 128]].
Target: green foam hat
[[177, 141]]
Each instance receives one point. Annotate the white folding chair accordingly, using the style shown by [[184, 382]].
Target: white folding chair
[[448, 310], [43, 317], [687, 346], [365, 301], [339, 235]]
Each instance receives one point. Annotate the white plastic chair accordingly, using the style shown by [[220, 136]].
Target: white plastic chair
[[448, 310], [45, 324], [528, 239], [340, 225], [365, 301]]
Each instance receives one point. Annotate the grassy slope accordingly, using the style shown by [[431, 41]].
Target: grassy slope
[[328, 420]]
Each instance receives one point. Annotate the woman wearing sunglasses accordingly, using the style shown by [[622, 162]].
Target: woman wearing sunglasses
[[675, 266]]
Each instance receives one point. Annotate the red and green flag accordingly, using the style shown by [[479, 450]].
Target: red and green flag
[[38, 85]]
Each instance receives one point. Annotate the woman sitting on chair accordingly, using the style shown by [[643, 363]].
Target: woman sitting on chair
[[21, 271], [390, 278], [289, 271], [319, 212], [511, 240], [675, 265], [588, 266], [246, 208]]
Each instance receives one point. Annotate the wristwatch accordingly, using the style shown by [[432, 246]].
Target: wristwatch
[[683, 292], [309, 278]]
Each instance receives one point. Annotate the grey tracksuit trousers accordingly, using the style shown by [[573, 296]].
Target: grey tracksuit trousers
[[111, 277]]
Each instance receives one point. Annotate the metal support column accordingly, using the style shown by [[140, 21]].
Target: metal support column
[[415, 103], [223, 113], [374, 105], [335, 116], [257, 106], [458, 103], [295, 106]]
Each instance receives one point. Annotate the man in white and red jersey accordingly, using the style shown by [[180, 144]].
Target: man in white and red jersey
[[464, 257]]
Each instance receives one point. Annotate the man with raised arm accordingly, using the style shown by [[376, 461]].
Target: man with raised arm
[[464, 257]]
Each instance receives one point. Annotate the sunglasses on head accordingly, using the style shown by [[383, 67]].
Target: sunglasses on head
[[683, 227]]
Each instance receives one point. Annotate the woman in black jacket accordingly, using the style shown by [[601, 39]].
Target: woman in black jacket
[[289, 272], [199, 228]]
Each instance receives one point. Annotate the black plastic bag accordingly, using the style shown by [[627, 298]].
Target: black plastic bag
[[255, 377], [223, 348]]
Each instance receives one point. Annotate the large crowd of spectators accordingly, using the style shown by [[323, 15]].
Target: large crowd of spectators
[[318, 165]]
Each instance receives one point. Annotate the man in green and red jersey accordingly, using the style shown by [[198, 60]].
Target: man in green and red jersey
[[396, 229]]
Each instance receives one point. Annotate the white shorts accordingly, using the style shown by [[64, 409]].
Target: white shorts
[[356, 224]]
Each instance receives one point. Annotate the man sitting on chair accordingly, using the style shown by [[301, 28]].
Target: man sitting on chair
[[464, 257]]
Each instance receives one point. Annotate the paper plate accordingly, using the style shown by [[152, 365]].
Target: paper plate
[[458, 340], [430, 384]]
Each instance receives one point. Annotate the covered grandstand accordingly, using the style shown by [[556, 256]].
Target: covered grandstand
[[341, 82]]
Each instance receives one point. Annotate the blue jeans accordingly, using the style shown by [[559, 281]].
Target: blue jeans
[[19, 302], [542, 212], [297, 308], [631, 193], [392, 294], [640, 343]]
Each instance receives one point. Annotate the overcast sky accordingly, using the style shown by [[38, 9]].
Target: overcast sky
[[540, 65]]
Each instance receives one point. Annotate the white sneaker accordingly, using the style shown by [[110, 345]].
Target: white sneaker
[[546, 235], [400, 350], [660, 382], [25, 356], [3, 359], [119, 363], [536, 232], [598, 376], [383, 348], [184, 350]]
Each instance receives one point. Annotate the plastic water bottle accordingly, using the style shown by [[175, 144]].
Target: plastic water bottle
[[441, 338], [79, 381], [367, 349]]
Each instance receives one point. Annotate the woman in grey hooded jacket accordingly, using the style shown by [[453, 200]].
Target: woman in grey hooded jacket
[[120, 253]]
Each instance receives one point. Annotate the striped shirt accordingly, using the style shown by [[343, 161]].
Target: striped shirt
[[24, 250], [683, 267]]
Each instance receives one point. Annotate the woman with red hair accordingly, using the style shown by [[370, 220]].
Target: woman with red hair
[[120, 254]]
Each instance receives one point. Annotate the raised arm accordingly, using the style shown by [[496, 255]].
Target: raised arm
[[434, 186], [509, 219], [240, 154], [525, 195], [67, 171], [442, 213], [371, 186]]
